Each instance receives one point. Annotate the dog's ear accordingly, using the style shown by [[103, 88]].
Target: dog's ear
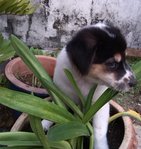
[[81, 50]]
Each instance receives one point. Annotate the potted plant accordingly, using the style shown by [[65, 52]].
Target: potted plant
[[65, 122], [119, 136], [17, 7], [14, 7], [21, 78], [27, 103]]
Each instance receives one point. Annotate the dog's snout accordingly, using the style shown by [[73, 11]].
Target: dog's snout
[[132, 82]]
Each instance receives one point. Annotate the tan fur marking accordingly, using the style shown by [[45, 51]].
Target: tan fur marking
[[118, 57], [99, 71]]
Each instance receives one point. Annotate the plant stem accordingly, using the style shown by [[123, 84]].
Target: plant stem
[[80, 143], [75, 86], [130, 113], [103, 99], [38, 130], [67, 100], [91, 143]]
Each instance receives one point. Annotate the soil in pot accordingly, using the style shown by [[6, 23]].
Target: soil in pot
[[7, 118], [115, 131], [29, 79]]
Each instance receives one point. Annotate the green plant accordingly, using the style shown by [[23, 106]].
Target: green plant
[[6, 53], [73, 126], [56, 111], [3, 80], [58, 116], [18, 7], [52, 53], [6, 49]]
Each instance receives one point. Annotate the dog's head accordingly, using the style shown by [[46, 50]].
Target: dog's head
[[98, 52]]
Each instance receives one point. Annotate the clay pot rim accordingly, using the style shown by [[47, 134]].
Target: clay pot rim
[[129, 140], [11, 77]]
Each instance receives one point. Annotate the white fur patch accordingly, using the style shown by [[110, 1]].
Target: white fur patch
[[103, 27], [126, 76], [46, 124], [124, 80], [100, 25]]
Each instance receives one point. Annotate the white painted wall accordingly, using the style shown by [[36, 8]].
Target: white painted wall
[[54, 25]]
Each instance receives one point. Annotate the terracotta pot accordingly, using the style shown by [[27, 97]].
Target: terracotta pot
[[17, 66], [122, 128]]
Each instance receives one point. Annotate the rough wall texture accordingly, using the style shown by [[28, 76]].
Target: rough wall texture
[[55, 21]]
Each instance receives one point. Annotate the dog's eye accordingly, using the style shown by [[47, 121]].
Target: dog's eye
[[112, 65]]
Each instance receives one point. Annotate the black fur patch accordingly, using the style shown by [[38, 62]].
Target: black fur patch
[[95, 45]]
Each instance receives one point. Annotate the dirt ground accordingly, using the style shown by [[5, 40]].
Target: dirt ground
[[132, 100], [6, 118]]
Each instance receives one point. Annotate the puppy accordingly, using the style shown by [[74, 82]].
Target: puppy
[[95, 55]]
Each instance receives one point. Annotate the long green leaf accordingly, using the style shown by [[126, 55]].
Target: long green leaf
[[36, 126], [75, 86], [19, 139], [22, 136], [27, 140], [32, 62], [4, 5], [80, 143], [21, 143], [137, 70], [20, 7], [103, 99], [66, 99], [34, 105], [91, 139], [21, 147], [23, 51], [67, 131], [6, 50], [88, 102], [60, 145]]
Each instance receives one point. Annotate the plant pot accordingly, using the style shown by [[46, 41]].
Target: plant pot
[[2, 66], [121, 134], [17, 67]]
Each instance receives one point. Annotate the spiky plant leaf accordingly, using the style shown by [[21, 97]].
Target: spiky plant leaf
[[17, 7], [6, 50], [67, 131]]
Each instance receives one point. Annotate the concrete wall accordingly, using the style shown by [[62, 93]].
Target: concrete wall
[[53, 24]]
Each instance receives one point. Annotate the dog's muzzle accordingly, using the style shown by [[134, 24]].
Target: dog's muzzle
[[132, 81]]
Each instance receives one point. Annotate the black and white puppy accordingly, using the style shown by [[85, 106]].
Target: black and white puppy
[[95, 55]]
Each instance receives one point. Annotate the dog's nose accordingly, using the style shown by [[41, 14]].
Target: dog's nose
[[132, 82]]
